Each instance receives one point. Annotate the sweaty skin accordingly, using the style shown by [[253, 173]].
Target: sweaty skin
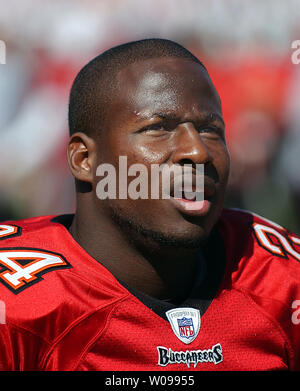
[[166, 111]]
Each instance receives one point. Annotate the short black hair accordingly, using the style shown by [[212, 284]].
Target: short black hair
[[94, 86]]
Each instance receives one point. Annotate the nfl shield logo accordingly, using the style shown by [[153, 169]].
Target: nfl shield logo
[[185, 323], [186, 327]]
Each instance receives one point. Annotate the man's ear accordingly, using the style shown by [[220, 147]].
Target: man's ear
[[81, 156]]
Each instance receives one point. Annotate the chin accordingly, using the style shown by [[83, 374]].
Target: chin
[[180, 241], [185, 234], [186, 239]]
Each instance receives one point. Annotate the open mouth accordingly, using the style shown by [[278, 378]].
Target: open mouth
[[195, 208], [192, 202], [190, 196]]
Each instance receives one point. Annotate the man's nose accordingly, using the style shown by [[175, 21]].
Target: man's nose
[[190, 148]]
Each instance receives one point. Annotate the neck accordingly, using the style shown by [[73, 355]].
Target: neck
[[159, 271]]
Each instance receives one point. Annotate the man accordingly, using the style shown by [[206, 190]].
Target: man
[[148, 283]]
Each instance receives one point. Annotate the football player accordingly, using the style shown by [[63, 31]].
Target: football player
[[148, 284]]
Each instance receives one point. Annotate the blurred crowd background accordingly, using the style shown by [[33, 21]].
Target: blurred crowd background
[[246, 46]]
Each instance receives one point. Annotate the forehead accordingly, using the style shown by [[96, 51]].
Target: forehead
[[165, 84]]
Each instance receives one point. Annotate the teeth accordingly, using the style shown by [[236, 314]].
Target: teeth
[[189, 195], [194, 196]]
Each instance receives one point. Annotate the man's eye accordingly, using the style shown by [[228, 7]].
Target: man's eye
[[210, 129], [157, 127], [206, 129], [154, 128]]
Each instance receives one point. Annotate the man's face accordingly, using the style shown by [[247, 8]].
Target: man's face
[[167, 111]]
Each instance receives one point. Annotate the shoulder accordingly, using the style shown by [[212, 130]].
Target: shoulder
[[256, 244], [263, 260], [47, 281], [263, 264], [246, 230], [243, 219], [27, 252]]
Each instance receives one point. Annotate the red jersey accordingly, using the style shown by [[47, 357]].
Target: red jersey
[[61, 309]]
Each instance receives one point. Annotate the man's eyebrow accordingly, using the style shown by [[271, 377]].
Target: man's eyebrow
[[212, 117], [207, 117], [163, 116]]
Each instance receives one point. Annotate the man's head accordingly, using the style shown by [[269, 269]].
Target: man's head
[[153, 102], [96, 83]]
